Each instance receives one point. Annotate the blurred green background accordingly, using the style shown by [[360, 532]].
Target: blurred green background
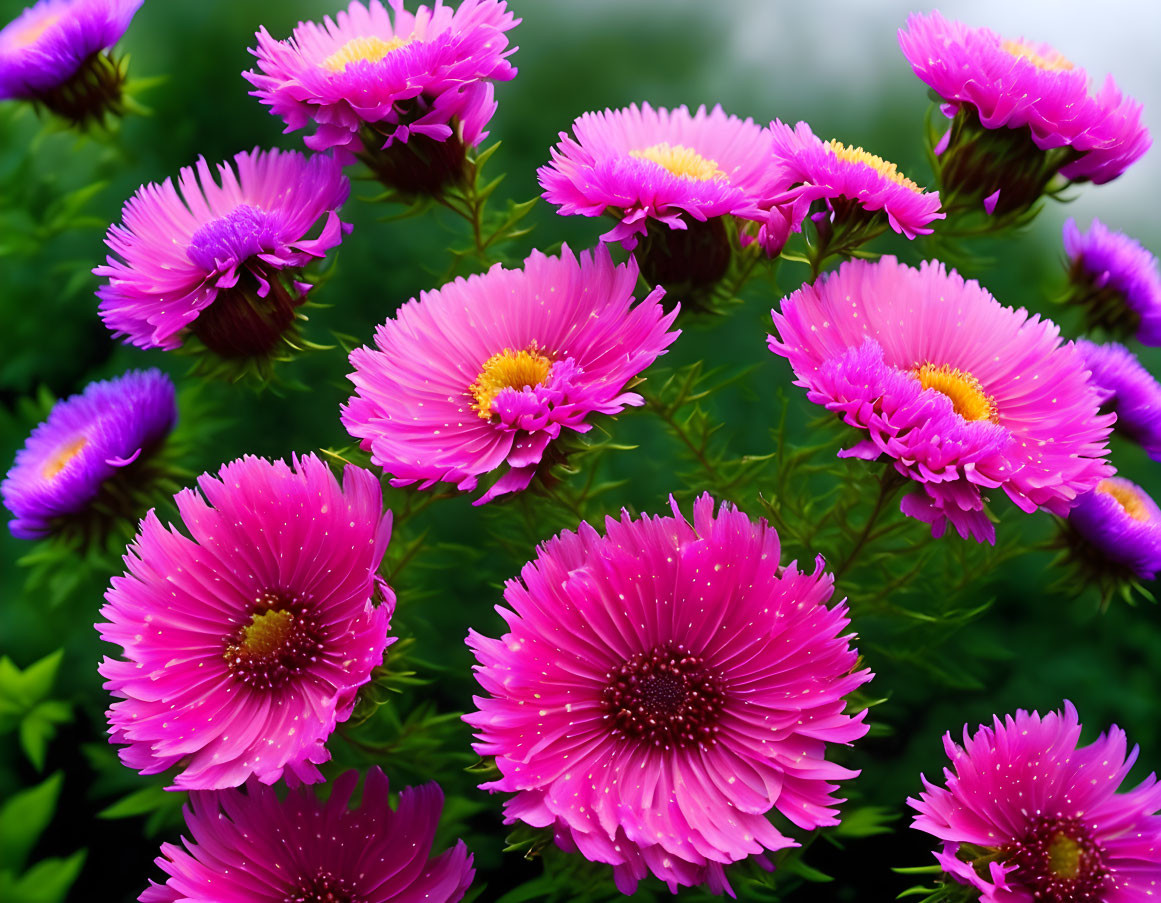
[[834, 64]]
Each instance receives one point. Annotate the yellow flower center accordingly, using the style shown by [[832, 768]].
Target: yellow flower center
[[1064, 856], [881, 166], [366, 47], [29, 34], [967, 396], [1129, 499], [682, 161], [508, 370], [267, 634], [62, 456], [1054, 62]]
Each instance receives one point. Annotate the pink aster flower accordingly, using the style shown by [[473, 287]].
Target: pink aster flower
[[375, 82], [222, 261], [1022, 113], [56, 54], [962, 394], [1115, 281], [1028, 815], [863, 193], [490, 370], [246, 642], [662, 689], [249, 846]]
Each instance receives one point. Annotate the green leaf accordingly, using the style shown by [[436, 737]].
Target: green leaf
[[23, 819], [46, 882], [866, 821], [39, 726]]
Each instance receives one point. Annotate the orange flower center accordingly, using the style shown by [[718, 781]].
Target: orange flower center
[[882, 167], [1128, 498], [508, 370], [680, 160], [61, 457], [967, 395], [366, 47], [1054, 62]]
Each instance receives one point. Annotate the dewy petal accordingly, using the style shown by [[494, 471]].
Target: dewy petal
[[771, 663]]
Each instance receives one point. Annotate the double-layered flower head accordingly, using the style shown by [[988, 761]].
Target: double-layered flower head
[[489, 370], [249, 846], [247, 642], [429, 74], [806, 169], [52, 53], [662, 689], [1027, 86], [1120, 528], [88, 441], [644, 165], [1128, 389], [221, 260], [960, 393], [1116, 281], [1043, 815]]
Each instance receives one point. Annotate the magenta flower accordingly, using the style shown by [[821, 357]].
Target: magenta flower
[[1119, 528], [56, 54], [1127, 388], [89, 444], [368, 79], [246, 643], [1116, 280], [1028, 815], [962, 394], [662, 689], [643, 165], [489, 370], [222, 261], [1022, 114], [856, 185], [249, 846]]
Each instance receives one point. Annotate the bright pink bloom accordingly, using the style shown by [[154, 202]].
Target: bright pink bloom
[[1044, 815], [489, 370], [668, 166], [960, 392], [806, 169], [662, 689], [426, 74], [220, 260], [247, 643], [1024, 85], [252, 847]]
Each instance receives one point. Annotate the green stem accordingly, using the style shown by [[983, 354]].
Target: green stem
[[889, 484]]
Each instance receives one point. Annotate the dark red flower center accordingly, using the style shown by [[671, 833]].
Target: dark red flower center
[[277, 643], [324, 888], [665, 696], [1059, 861]]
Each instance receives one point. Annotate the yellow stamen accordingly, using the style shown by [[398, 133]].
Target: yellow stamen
[[267, 633], [62, 456], [1054, 62], [367, 47], [29, 34], [508, 370], [1129, 499], [1064, 856], [681, 161], [881, 166], [967, 395]]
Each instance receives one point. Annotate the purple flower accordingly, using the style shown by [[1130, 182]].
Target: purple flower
[[250, 846], [222, 261], [1115, 280], [52, 54], [1028, 815], [1127, 388], [1120, 528], [87, 442]]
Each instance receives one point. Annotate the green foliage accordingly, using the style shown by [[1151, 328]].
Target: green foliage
[[26, 708], [23, 818]]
